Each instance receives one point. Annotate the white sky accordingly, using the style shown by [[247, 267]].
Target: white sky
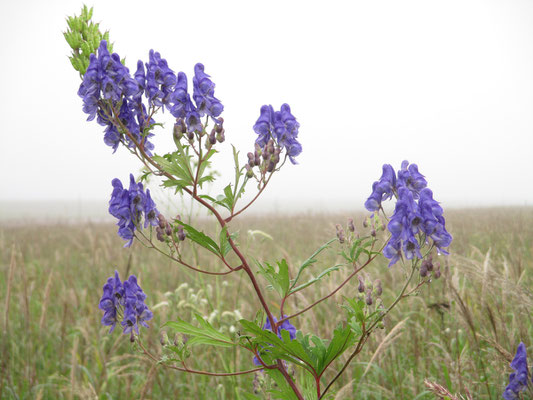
[[447, 85]]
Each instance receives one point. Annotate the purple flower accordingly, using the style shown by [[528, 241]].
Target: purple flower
[[285, 325], [280, 126], [129, 206], [409, 177], [160, 80], [382, 189], [204, 94], [433, 223], [125, 300], [518, 380]]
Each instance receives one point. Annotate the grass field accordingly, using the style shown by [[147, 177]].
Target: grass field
[[461, 331]]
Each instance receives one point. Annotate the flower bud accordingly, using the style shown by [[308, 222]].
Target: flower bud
[[220, 136], [159, 234], [212, 137], [181, 234], [179, 129], [251, 158], [162, 221], [271, 166], [423, 270], [436, 273], [368, 299], [373, 233], [163, 338], [340, 233], [351, 226], [249, 172], [168, 230], [190, 135], [361, 287]]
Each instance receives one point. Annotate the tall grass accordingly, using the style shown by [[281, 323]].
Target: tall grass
[[460, 332]]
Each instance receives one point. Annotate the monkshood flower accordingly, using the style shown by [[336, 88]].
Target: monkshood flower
[[518, 380], [129, 206], [108, 89], [281, 126], [124, 301], [204, 94], [160, 80], [285, 325], [417, 216], [382, 189]]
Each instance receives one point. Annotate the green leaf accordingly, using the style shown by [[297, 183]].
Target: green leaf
[[311, 260], [314, 280], [200, 238], [203, 334], [279, 279]]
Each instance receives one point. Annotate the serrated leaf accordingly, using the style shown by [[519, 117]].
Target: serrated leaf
[[204, 334], [200, 238]]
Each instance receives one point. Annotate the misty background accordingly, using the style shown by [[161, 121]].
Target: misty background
[[445, 85]]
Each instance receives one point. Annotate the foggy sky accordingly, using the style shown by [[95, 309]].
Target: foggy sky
[[446, 85]]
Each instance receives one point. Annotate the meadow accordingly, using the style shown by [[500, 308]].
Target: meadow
[[460, 332]]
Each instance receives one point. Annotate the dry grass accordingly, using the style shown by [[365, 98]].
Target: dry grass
[[459, 332]]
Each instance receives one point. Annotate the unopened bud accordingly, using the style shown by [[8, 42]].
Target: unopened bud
[[163, 338], [377, 286], [361, 287], [179, 129], [168, 230], [190, 135], [340, 233], [159, 234], [220, 136], [436, 274], [373, 233], [249, 172], [251, 158], [271, 166], [219, 126], [368, 299], [365, 223], [212, 137], [351, 226], [423, 270], [162, 221], [181, 234]]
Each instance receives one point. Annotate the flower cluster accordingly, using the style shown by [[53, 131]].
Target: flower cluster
[[281, 126], [417, 216], [124, 302], [285, 325], [112, 95], [129, 206], [116, 99], [518, 380]]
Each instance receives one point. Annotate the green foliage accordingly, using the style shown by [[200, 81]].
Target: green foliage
[[83, 36], [278, 278], [203, 334], [359, 246]]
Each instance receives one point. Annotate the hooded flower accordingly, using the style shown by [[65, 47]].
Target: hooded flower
[[518, 380]]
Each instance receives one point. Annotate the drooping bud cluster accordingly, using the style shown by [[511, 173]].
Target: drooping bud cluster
[[285, 325], [124, 302], [217, 134], [427, 267], [368, 291], [164, 230], [416, 213], [281, 127], [266, 158], [130, 206]]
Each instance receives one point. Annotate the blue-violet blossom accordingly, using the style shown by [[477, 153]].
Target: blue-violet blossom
[[416, 213], [129, 206], [124, 300], [280, 126], [518, 380], [285, 325]]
